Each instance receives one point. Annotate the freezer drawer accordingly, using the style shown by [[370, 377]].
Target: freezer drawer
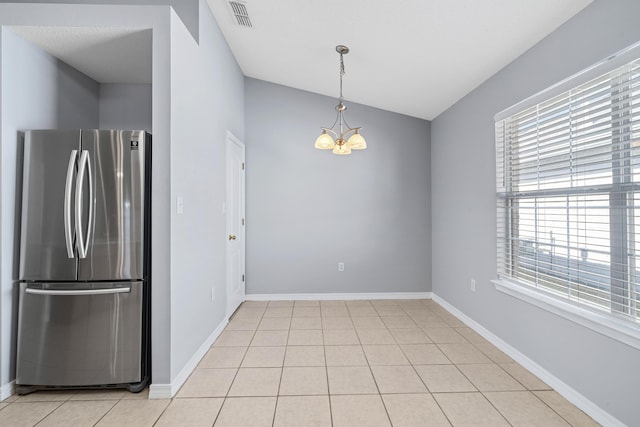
[[79, 334]]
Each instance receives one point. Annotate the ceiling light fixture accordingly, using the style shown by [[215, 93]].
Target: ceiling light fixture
[[341, 145]]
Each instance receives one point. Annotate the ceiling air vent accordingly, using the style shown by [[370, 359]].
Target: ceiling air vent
[[239, 10]]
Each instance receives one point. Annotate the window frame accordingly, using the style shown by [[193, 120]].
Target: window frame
[[623, 328]]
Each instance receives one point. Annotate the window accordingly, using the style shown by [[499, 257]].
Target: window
[[568, 193]]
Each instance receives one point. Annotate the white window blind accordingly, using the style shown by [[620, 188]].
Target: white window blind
[[568, 192]]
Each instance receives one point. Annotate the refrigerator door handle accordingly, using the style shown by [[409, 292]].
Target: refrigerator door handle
[[68, 236], [79, 291], [83, 243]]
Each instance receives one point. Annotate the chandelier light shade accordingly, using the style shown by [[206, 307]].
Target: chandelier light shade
[[340, 137]]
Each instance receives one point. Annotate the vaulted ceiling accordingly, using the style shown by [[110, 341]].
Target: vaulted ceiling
[[416, 57]]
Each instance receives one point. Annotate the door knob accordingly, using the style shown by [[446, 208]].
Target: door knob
[[232, 237]]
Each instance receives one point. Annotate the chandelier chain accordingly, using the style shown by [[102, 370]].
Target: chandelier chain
[[341, 74]]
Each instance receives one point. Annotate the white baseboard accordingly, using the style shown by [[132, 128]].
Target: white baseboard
[[338, 296], [167, 391], [6, 390], [590, 408], [161, 391]]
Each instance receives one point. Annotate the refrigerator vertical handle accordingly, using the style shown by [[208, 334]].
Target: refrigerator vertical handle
[[68, 236], [83, 242]]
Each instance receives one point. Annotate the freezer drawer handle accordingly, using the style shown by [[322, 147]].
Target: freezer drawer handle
[[79, 292], [68, 236], [83, 244]]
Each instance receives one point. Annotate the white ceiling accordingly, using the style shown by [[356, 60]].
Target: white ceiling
[[415, 57], [107, 55]]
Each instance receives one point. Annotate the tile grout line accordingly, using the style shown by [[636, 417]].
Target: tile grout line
[[413, 366], [474, 385], [105, 414], [494, 407], [326, 367], [286, 345], [413, 313], [226, 396], [161, 413], [425, 384], [386, 411], [419, 376], [61, 402], [549, 406]]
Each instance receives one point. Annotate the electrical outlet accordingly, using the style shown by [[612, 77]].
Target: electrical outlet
[[473, 285], [341, 266], [213, 294]]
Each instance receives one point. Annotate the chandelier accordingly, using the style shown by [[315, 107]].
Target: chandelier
[[341, 145]]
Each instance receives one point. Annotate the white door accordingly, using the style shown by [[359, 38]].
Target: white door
[[235, 223]]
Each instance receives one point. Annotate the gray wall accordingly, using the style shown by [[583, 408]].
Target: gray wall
[[308, 209], [464, 213], [125, 106], [207, 99], [37, 92]]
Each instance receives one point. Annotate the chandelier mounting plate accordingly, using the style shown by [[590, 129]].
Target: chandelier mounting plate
[[342, 50]]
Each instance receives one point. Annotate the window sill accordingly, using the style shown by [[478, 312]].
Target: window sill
[[620, 330]]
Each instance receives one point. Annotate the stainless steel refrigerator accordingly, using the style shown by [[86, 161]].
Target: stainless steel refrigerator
[[84, 299]]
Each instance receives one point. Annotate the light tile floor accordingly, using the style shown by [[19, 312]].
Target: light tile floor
[[328, 363]]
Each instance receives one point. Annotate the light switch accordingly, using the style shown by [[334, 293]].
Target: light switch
[[179, 205]]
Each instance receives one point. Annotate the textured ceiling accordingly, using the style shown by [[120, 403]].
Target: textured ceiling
[[108, 55], [416, 57]]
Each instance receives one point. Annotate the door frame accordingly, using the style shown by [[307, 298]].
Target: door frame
[[233, 140]]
